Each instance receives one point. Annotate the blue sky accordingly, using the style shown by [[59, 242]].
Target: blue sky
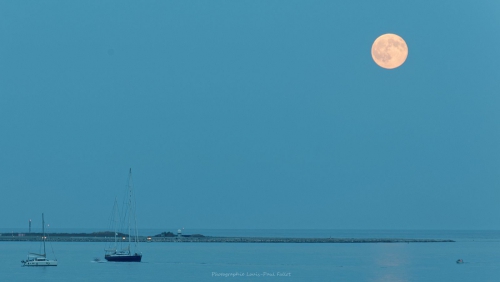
[[250, 114]]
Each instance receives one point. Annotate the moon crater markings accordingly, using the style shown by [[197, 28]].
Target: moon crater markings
[[389, 51]]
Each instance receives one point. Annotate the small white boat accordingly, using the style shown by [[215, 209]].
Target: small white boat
[[40, 259]]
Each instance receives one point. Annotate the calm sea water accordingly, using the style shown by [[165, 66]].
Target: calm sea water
[[266, 262]]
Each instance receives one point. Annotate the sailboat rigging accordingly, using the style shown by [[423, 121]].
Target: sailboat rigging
[[40, 259], [121, 251]]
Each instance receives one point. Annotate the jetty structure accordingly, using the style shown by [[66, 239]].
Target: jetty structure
[[165, 237]]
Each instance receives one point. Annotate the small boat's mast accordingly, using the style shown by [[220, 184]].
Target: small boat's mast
[[115, 220], [43, 236]]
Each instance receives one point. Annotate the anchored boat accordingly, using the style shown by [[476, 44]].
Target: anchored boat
[[121, 250], [40, 259]]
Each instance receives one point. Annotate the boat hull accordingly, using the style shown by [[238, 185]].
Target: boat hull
[[41, 263], [123, 258]]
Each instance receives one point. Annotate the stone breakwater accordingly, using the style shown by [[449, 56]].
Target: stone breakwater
[[207, 239]]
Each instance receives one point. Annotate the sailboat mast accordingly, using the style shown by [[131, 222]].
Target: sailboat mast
[[129, 203], [115, 219], [134, 210], [43, 236]]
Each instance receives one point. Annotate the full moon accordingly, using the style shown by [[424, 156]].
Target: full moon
[[389, 51]]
